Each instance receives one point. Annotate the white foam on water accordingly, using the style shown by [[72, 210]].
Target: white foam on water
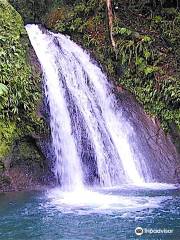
[[150, 186], [157, 186], [90, 201]]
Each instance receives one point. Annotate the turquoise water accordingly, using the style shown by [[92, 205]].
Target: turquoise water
[[104, 214]]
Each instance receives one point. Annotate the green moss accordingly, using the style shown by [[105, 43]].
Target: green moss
[[8, 133], [28, 152], [1, 167], [5, 181]]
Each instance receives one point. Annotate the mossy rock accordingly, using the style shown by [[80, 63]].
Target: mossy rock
[[8, 132], [1, 167], [26, 153], [5, 183]]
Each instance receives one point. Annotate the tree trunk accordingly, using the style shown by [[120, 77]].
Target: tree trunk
[[110, 17]]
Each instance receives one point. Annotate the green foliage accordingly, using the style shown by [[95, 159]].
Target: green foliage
[[77, 17], [122, 31], [14, 71], [19, 89], [145, 76]]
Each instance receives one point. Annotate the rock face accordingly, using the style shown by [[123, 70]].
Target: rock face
[[161, 155], [26, 167]]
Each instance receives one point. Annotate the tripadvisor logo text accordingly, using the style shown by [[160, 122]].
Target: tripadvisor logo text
[[140, 231]]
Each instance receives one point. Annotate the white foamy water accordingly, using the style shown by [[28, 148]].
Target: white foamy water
[[91, 201], [92, 141], [145, 186]]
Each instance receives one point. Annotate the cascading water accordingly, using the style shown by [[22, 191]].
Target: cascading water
[[92, 140]]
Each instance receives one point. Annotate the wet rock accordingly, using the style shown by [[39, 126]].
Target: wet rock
[[160, 153]]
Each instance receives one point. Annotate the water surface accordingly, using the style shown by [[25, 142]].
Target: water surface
[[101, 214]]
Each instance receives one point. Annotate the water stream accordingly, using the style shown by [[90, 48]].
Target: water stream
[[92, 140]]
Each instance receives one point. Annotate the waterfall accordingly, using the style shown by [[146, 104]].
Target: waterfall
[[94, 143]]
